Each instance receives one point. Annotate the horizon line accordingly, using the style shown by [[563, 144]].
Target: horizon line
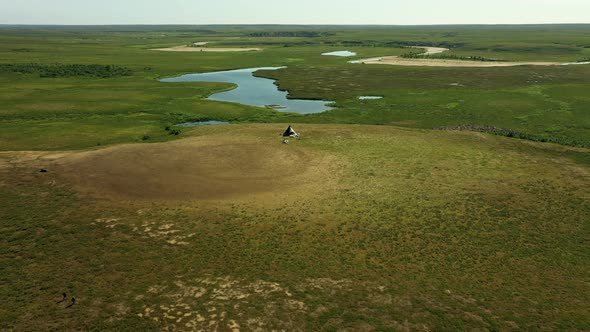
[[287, 24]]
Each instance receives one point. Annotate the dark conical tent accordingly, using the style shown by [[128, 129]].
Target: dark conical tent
[[290, 133]]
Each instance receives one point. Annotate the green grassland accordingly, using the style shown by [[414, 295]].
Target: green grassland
[[545, 101], [414, 229], [425, 229]]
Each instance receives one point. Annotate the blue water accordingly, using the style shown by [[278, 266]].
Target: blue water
[[201, 123], [340, 53], [254, 91]]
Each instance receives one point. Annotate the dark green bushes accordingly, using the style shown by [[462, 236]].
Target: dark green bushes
[[448, 57], [172, 131], [444, 44], [69, 70], [506, 132], [393, 44], [306, 34]]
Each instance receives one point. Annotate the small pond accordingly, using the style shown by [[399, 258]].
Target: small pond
[[254, 91], [370, 97], [201, 123], [340, 53]]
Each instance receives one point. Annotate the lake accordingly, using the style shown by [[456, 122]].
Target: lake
[[254, 91]]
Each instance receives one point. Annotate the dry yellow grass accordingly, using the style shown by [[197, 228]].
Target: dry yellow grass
[[196, 168]]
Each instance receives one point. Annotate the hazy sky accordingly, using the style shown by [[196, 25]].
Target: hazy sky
[[293, 11]]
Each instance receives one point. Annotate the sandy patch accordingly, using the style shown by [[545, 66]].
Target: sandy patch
[[206, 49], [397, 61], [431, 50]]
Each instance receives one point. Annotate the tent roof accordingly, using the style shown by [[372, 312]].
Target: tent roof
[[289, 132]]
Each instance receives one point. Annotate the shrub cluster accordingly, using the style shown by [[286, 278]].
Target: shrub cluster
[[393, 44], [402, 44], [66, 70], [506, 132], [448, 57], [172, 131], [307, 34]]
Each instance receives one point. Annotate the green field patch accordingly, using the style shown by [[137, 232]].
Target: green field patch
[[471, 217]]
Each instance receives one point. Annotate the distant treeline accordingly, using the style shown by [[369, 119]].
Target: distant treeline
[[518, 134], [69, 70], [394, 43], [444, 44], [307, 34], [22, 50], [448, 57]]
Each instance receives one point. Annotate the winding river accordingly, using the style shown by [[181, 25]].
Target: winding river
[[254, 91]]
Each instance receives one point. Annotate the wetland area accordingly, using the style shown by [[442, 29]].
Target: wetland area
[[430, 190]]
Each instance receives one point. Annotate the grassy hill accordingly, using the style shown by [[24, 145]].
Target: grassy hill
[[372, 221], [355, 227]]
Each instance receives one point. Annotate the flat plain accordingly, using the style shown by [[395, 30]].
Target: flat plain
[[374, 220]]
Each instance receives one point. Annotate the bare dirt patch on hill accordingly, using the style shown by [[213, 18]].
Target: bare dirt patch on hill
[[212, 168]]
